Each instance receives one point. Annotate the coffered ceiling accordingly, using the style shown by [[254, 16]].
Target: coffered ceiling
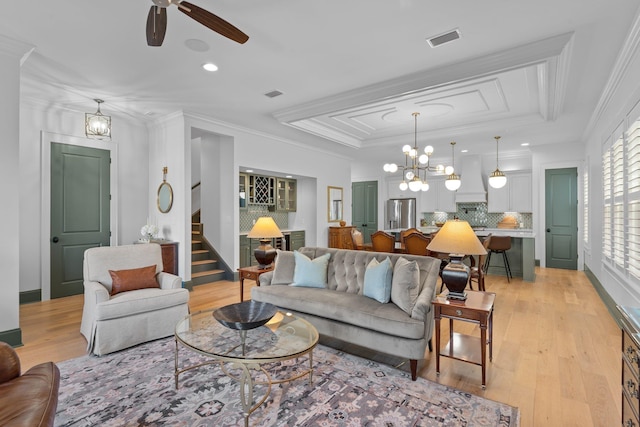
[[351, 73]]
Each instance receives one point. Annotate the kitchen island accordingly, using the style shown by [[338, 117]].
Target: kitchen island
[[521, 255]]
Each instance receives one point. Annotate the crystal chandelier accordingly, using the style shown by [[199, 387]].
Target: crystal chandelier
[[97, 125], [415, 164], [497, 179]]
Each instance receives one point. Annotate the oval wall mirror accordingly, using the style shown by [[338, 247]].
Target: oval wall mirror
[[165, 197]]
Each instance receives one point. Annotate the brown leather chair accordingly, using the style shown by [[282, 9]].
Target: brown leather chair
[[416, 244], [383, 242], [500, 245], [30, 399], [358, 241], [404, 234], [479, 271]]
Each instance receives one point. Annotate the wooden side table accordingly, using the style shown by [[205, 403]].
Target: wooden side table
[[252, 273], [478, 308]]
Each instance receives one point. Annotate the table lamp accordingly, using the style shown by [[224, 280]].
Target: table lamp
[[265, 229], [457, 239]]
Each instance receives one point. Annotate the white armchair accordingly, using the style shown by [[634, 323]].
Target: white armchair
[[114, 322]]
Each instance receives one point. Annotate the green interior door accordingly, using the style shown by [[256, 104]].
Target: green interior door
[[364, 209], [561, 218], [80, 212]]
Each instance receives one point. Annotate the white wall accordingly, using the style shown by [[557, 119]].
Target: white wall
[[624, 94], [10, 54], [266, 152], [130, 196]]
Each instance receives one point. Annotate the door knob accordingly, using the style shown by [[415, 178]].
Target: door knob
[[548, 230], [55, 239]]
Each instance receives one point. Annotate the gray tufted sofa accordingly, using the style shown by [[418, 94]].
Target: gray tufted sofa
[[342, 311]]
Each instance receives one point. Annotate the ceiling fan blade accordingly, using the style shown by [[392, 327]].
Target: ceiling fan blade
[[156, 25], [213, 22]]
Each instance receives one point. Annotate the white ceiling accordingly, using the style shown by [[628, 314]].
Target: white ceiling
[[351, 72]]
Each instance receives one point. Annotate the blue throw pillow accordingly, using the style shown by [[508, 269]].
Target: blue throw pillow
[[377, 280], [310, 273]]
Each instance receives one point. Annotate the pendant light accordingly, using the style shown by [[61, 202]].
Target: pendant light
[[497, 179], [414, 164], [97, 125], [453, 181]]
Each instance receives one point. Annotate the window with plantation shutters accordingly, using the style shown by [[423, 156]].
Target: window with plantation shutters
[[606, 219], [633, 197], [621, 199], [585, 190]]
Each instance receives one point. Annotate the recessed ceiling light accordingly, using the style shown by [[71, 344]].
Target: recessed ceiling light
[[273, 94], [288, 176], [525, 144], [209, 66], [464, 151], [249, 170]]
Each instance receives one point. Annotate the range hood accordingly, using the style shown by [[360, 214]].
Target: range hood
[[472, 188]]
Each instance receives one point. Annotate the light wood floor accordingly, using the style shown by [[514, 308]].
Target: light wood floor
[[556, 351]]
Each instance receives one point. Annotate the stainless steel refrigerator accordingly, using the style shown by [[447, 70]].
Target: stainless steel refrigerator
[[400, 213]]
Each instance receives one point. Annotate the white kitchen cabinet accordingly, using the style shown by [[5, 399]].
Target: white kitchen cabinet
[[515, 196], [393, 189], [438, 198]]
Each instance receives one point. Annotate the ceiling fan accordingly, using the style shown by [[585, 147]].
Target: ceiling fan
[[157, 21]]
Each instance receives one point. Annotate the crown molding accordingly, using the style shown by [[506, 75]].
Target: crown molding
[[16, 48], [619, 71], [552, 52]]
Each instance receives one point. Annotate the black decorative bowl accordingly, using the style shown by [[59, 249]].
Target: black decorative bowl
[[245, 315]]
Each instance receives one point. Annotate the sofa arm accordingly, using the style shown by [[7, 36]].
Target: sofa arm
[[95, 293], [169, 281], [9, 363], [265, 278]]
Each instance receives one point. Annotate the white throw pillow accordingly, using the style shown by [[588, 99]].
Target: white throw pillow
[[377, 280], [283, 269], [310, 273], [405, 285]]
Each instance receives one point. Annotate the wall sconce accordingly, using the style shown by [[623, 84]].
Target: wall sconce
[[97, 125]]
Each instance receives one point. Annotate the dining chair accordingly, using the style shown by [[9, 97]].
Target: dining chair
[[382, 241], [358, 241], [404, 234], [416, 244]]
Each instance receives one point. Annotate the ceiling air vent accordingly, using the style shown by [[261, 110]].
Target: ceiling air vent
[[447, 37], [273, 94]]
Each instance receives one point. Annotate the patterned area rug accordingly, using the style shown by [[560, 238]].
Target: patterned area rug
[[135, 387]]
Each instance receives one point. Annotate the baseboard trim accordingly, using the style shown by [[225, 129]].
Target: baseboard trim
[[604, 295], [28, 297], [188, 285], [12, 337]]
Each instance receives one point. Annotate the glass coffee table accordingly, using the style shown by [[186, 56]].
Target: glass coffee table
[[284, 337]]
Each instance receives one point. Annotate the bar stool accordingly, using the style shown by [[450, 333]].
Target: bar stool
[[497, 245]]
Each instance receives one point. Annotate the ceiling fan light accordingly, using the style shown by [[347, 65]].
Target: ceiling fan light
[[497, 179], [452, 182], [209, 66]]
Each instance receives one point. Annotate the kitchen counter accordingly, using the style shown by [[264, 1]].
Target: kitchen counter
[[521, 255]]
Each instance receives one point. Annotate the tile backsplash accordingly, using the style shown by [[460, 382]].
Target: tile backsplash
[[253, 212], [477, 216]]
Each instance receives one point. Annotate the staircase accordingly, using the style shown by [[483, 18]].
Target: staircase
[[204, 266]]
